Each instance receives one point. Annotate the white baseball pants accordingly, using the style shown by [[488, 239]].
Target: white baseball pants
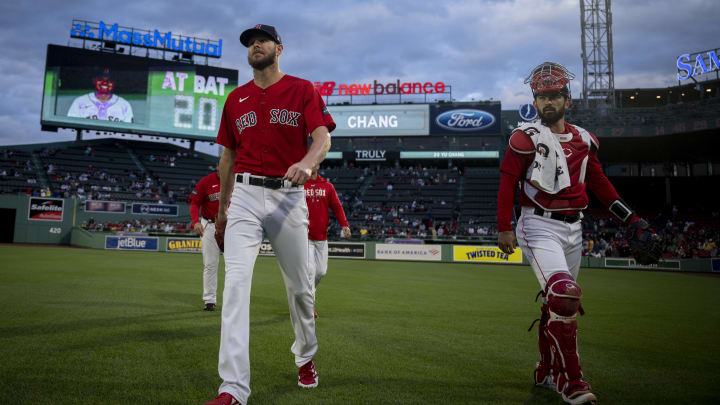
[[283, 215], [550, 245], [318, 256], [211, 257]]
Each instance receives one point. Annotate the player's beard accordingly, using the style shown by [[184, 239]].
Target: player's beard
[[262, 63], [550, 117]]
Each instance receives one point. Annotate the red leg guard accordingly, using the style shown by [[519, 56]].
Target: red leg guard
[[544, 375], [563, 304]]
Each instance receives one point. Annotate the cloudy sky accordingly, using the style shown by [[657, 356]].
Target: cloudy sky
[[483, 48]]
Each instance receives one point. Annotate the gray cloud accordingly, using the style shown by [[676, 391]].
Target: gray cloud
[[483, 49]]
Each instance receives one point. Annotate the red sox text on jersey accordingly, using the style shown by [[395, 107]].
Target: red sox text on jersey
[[320, 196], [271, 125]]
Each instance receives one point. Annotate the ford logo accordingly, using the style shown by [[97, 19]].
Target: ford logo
[[465, 120]]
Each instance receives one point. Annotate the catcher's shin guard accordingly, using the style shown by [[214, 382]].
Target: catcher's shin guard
[[544, 368], [564, 295]]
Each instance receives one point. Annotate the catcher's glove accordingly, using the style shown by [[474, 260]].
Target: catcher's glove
[[220, 234], [644, 243]]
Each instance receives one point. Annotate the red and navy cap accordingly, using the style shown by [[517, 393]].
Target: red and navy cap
[[262, 29]]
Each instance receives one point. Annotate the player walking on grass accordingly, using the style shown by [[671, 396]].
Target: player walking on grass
[[320, 196], [264, 128], [555, 163], [203, 210]]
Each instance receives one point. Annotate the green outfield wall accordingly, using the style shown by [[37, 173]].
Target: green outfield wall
[[56, 229], [446, 253]]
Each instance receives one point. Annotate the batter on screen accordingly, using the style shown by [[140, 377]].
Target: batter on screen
[[264, 128], [555, 163], [203, 210]]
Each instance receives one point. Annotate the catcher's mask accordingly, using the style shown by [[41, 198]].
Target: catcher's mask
[[550, 77]]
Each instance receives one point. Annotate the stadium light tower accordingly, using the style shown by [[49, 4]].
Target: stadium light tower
[[597, 51]]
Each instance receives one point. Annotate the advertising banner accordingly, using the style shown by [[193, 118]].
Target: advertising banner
[[485, 254], [185, 245], [480, 154], [381, 120], [167, 210], [388, 251], [45, 209], [266, 249], [113, 207], [465, 119], [346, 250], [131, 243]]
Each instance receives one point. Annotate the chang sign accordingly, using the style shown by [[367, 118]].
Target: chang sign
[[381, 120]]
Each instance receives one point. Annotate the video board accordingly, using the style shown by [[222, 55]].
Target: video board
[[86, 89]]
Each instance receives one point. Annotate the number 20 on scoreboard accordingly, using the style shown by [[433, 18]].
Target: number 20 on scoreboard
[[210, 89]]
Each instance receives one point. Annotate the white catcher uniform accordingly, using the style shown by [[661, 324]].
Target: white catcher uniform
[[89, 107]]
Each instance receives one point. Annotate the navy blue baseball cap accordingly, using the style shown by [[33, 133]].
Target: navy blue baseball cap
[[262, 29]]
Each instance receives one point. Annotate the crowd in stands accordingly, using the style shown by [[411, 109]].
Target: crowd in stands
[[380, 202], [407, 211], [160, 225], [681, 238]]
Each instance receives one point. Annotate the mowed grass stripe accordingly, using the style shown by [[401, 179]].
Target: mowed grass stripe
[[92, 326]]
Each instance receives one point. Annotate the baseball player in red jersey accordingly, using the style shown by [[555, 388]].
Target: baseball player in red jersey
[[264, 128], [320, 196], [203, 210], [555, 163]]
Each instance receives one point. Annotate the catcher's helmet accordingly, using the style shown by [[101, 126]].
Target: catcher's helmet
[[550, 76]]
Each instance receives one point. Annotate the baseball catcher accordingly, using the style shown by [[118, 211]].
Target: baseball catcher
[[556, 163]]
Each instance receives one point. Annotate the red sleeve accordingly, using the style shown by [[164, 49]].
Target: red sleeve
[[337, 207], [197, 197], [598, 183], [226, 135], [514, 165], [316, 113]]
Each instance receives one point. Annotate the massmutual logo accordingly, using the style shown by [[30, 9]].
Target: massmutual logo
[[146, 38]]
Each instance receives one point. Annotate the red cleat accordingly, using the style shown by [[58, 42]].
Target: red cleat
[[224, 399], [307, 376]]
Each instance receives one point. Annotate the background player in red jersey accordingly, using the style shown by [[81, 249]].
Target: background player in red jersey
[[203, 209], [320, 196], [264, 128], [555, 163]]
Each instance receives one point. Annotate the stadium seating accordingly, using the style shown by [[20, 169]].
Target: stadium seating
[[18, 172]]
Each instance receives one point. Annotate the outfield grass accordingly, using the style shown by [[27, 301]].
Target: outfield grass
[[106, 327]]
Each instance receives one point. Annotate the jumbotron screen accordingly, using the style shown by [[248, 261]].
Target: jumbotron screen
[[93, 90]]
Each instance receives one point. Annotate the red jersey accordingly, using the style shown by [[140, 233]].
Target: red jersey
[[584, 169], [269, 128], [205, 198], [320, 195]]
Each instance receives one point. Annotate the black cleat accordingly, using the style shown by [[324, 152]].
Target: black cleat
[[209, 307]]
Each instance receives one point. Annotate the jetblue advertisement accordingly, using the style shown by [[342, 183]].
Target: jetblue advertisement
[[465, 119], [131, 243]]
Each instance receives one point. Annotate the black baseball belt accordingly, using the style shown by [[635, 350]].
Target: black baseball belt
[[212, 221], [273, 183], [569, 218]]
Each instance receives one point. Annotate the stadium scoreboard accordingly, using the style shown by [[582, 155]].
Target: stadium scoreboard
[[140, 95]]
